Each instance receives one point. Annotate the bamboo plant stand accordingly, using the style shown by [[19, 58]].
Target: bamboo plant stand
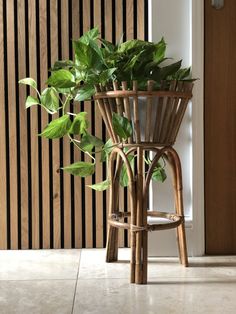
[[156, 117]]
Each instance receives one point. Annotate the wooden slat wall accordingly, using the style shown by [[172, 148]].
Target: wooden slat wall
[[41, 207]]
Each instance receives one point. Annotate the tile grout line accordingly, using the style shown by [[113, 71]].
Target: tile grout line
[[77, 276]]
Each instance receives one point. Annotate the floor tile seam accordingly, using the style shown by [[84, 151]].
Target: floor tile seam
[[161, 277], [36, 279], [76, 282]]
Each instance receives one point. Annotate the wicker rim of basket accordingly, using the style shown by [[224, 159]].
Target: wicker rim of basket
[[127, 93]]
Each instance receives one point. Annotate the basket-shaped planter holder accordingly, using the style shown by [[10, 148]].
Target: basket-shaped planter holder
[[156, 117]]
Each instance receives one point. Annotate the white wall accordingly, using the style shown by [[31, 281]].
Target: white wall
[[181, 24], [172, 20]]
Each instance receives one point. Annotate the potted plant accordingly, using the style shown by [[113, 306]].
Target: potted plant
[[142, 99], [97, 61]]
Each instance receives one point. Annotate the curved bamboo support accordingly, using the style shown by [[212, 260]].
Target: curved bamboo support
[[132, 195], [174, 162]]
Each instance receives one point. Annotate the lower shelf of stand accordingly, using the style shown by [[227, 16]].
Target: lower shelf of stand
[[169, 221]]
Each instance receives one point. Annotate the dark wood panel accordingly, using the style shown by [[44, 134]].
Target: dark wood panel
[[220, 128]]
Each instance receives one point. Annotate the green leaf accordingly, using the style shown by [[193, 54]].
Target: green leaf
[[85, 93], [134, 44], [61, 79], [106, 150], [182, 74], [170, 69], [31, 101], [64, 91], [88, 56], [88, 142], [92, 34], [57, 128], [158, 74], [83, 53], [106, 75], [61, 64], [101, 186], [160, 49], [28, 81], [49, 99], [124, 179], [107, 45], [122, 126], [94, 45], [159, 174], [81, 168], [80, 124]]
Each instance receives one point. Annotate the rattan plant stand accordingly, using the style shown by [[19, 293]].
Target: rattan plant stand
[[155, 117]]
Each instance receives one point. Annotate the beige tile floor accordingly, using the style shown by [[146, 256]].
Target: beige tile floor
[[80, 282]]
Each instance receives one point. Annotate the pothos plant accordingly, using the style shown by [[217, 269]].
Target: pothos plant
[[98, 61]]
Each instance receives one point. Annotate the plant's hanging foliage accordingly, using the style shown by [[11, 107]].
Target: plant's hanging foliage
[[98, 61]]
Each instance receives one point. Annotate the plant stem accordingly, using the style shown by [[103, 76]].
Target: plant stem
[[65, 104], [87, 153]]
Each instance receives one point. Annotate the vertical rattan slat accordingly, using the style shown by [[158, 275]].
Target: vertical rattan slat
[[107, 120], [127, 107], [136, 114], [157, 119], [172, 118], [119, 101], [108, 111], [167, 114], [186, 87], [149, 107]]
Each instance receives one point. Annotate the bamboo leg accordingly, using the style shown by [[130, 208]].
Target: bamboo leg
[[132, 233], [174, 160], [141, 237], [112, 233]]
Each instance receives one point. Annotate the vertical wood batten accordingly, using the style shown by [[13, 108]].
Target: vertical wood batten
[[23, 127], [66, 143], [51, 207], [44, 121], [12, 125], [33, 234], [77, 155], [129, 19], [98, 132], [88, 180], [119, 20], [3, 192], [140, 19], [56, 215]]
